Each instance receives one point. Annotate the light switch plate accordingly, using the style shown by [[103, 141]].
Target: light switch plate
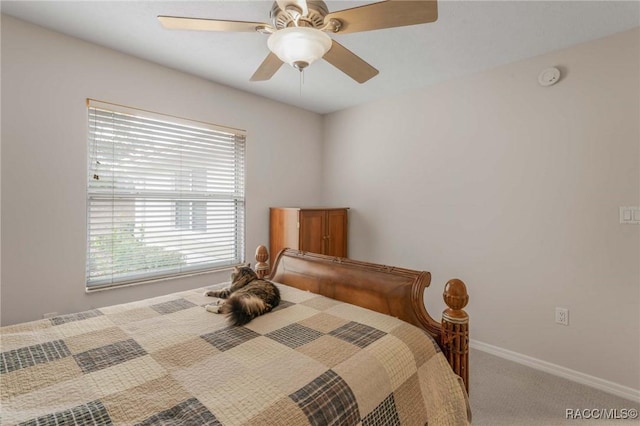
[[630, 215]]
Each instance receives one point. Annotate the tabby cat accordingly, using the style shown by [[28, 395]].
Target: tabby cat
[[246, 298]]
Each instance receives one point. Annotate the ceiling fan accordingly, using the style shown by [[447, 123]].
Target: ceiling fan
[[298, 33]]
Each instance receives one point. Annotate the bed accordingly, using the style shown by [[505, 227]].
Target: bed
[[350, 344]]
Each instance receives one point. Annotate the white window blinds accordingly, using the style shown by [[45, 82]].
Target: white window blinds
[[165, 196]]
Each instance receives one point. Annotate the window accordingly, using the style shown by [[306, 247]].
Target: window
[[165, 196]]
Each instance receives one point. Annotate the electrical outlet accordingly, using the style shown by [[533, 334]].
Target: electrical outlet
[[630, 215], [562, 316]]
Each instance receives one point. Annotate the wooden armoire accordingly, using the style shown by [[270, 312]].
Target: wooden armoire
[[316, 230]]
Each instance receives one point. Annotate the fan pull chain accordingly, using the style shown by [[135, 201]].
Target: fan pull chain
[[301, 80]]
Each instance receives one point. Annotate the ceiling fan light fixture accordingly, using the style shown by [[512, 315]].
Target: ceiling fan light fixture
[[299, 46]]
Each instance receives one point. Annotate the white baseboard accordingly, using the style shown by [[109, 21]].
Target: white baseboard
[[575, 376]]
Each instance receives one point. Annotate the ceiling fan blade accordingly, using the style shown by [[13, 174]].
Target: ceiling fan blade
[[349, 63], [267, 68], [178, 23], [387, 14], [301, 4]]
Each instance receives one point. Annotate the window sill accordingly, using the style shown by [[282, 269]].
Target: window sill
[[105, 287]]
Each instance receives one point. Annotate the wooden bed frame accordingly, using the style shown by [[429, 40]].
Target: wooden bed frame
[[393, 291]]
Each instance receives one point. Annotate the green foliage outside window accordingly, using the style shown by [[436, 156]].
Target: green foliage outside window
[[122, 252]]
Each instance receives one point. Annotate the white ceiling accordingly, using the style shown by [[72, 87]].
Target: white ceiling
[[469, 36]]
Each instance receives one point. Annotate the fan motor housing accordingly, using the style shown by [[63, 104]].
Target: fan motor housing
[[288, 18]]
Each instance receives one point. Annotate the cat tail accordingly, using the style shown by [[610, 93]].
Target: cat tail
[[242, 308]]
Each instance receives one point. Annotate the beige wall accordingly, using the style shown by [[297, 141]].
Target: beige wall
[[514, 188], [46, 77]]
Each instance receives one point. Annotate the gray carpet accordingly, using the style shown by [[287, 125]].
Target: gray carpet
[[505, 393]]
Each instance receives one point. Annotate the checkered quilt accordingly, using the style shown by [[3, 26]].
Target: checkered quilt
[[166, 360]]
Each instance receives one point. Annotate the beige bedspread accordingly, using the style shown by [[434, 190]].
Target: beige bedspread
[[168, 361]]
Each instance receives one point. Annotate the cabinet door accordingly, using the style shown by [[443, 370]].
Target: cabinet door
[[312, 231], [283, 231], [336, 233]]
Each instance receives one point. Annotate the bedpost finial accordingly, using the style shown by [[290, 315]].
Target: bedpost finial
[[262, 255], [262, 266], [456, 297]]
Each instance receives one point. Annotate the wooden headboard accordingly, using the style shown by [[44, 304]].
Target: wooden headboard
[[390, 290]]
